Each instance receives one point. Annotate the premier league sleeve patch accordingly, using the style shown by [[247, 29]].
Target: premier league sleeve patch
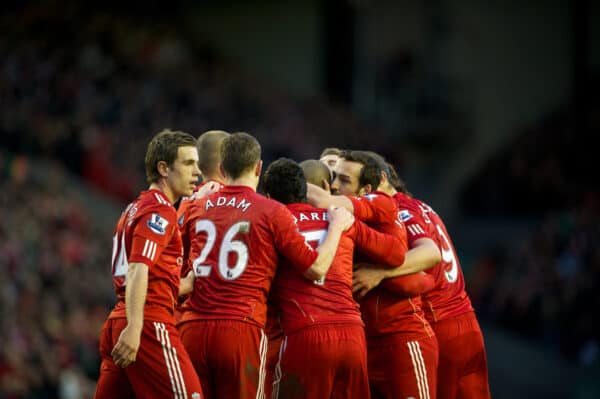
[[405, 215], [370, 197], [158, 224]]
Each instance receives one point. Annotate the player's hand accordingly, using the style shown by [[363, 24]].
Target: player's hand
[[207, 189], [186, 284], [340, 217], [126, 348], [365, 278]]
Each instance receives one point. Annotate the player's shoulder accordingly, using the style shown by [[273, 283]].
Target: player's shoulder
[[405, 201], [156, 202], [408, 207], [381, 200]]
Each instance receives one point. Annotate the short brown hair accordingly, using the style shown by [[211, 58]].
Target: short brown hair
[[164, 147], [370, 173], [331, 151], [239, 153], [209, 154]]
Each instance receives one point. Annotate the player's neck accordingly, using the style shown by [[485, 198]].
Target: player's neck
[[244, 180], [213, 177], [162, 186]]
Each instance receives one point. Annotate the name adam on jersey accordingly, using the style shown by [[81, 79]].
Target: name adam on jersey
[[233, 203], [158, 224]]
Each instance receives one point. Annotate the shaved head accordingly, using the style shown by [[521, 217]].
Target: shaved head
[[209, 150], [315, 172]]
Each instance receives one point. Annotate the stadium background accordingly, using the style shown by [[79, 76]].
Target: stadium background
[[488, 110]]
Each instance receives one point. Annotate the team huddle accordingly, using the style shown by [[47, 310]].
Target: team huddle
[[336, 283]]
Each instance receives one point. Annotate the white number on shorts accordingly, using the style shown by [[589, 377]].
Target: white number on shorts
[[316, 236], [448, 256], [228, 245]]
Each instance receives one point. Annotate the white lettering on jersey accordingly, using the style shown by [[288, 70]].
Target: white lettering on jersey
[[233, 203], [312, 216]]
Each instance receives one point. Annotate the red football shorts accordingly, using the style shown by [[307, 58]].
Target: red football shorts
[[229, 357], [325, 361], [273, 369], [162, 368], [401, 368], [462, 371]]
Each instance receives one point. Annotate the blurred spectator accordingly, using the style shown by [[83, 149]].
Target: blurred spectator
[[53, 260], [546, 287], [90, 88]]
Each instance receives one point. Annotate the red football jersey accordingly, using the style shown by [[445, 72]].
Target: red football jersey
[[237, 239], [147, 232], [303, 302], [449, 297], [383, 311], [183, 207]]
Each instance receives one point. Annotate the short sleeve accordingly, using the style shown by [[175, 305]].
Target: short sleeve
[[416, 227], [373, 208], [151, 234]]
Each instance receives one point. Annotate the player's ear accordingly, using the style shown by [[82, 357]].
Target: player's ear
[[325, 185], [366, 189], [221, 172], [384, 177], [162, 168], [258, 169]]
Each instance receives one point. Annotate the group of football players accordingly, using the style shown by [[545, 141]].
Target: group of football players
[[335, 282]]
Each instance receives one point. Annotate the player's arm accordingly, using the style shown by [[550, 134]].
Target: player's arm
[[423, 255], [385, 249], [320, 198], [151, 234], [126, 348], [410, 285], [340, 220]]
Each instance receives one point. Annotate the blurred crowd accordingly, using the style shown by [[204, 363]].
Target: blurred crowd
[[543, 285], [54, 292], [91, 89]]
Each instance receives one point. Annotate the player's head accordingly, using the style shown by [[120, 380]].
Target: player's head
[[357, 173], [396, 182], [384, 185], [240, 156], [330, 157], [172, 163], [209, 153], [284, 181], [317, 173]]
